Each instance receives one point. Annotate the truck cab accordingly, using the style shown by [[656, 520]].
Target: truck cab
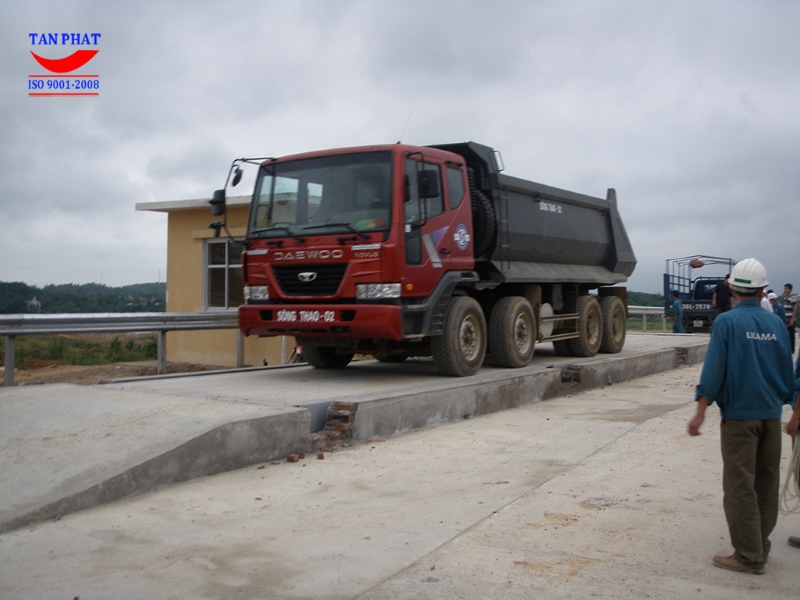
[[351, 244]]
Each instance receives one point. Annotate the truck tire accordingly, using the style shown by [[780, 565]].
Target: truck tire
[[512, 332], [461, 348], [590, 327], [325, 357], [615, 324], [484, 220]]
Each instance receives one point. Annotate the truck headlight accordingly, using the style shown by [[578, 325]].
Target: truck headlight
[[255, 293], [377, 291]]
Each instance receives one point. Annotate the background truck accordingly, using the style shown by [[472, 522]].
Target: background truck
[[401, 251], [697, 292]]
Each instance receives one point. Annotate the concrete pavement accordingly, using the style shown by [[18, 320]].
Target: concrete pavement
[[600, 494], [66, 447]]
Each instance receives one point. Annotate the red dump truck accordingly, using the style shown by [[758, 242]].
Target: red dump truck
[[401, 251]]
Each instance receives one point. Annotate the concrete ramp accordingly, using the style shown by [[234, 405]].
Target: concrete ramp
[[66, 447]]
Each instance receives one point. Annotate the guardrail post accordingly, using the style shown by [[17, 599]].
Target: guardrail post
[[162, 352], [239, 348], [8, 374], [644, 322], [664, 323]]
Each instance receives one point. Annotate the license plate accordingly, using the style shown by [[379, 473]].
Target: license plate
[[698, 323], [306, 316]]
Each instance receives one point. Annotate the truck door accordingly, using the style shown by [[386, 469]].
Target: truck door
[[429, 240]]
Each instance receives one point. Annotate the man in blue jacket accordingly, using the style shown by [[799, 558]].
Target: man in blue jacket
[[748, 372]]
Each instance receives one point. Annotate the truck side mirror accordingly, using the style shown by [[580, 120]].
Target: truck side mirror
[[237, 177], [428, 184], [218, 203]]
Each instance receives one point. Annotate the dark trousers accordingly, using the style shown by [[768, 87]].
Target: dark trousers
[[790, 331], [751, 458]]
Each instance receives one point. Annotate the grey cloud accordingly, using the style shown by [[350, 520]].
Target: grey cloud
[[687, 109]]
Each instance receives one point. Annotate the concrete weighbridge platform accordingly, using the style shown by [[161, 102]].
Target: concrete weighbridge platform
[[68, 447]]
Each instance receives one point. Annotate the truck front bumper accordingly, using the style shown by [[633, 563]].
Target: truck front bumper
[[353, 321]]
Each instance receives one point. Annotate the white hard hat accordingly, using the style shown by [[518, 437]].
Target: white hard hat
[[748, 276], [772, 296]]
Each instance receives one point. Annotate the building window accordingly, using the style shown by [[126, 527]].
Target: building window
[[224, 274]]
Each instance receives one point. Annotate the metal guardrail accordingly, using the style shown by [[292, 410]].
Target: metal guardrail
[[12, 326], [644, 311]]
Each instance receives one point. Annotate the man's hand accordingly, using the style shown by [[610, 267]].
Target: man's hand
[[794, 420], [695, 424], [697, 421], [792, 425]]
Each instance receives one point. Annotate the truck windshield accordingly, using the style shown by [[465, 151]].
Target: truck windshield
[[330, 194]]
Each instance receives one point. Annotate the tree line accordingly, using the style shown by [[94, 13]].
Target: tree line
[[19, 298], [645, 299]]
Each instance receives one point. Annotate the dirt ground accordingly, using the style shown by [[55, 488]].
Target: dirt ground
[[91, 375]]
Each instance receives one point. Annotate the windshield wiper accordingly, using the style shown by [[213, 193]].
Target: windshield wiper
[[300, 239], [347, 226]]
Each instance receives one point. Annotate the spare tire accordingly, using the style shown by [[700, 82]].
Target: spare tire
[[484, 219]]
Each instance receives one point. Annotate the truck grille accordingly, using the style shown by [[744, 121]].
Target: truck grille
[[325, 282]]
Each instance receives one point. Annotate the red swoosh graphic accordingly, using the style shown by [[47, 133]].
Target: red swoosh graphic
[[68, 63]]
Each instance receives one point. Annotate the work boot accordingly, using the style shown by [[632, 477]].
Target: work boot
[[730, 563], [794, 541]]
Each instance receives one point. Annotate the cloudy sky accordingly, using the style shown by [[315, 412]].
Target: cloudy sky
[[691, 110]]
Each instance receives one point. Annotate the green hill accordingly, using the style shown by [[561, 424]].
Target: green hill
[[645, 299], [20, 298]]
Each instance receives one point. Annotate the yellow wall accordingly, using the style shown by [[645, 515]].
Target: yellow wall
[[186, 231]]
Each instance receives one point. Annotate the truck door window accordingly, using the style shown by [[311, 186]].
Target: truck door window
[[455, 187], [417, 208], [412, 193], [434, 206], [412, 215]]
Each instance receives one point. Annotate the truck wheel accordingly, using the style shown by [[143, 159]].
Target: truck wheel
[[615, 323], [325, 357], [590, 326], [461, 348], [512, 332], [562, 348]]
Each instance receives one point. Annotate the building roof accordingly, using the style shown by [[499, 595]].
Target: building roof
[[171, 205]]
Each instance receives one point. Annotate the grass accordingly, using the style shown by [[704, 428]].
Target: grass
[[653, 324], [34, 351]]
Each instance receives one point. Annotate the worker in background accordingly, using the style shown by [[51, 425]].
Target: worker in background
[[791, 429], [765, 303], [748, 372], [776, 306], [722, 296], [677, 313], [790, 308]]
